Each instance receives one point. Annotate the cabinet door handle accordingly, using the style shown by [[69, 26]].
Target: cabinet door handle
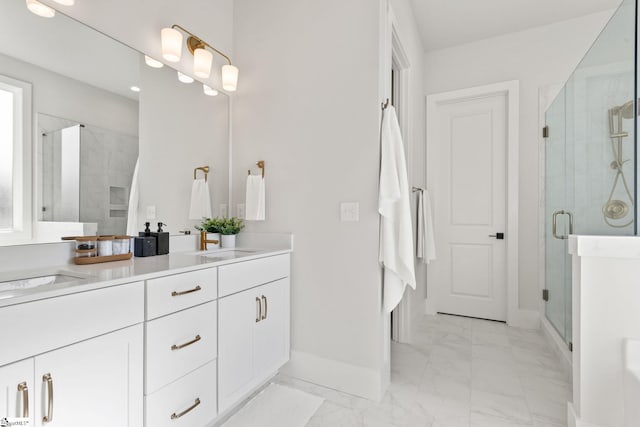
[[175, 416], [178, 293], [266, 307], [258, 310], [187, 344], [46, 378], [22, 388]]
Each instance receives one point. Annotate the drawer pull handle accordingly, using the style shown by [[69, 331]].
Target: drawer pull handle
[[46, 378], [22, 388], [193, 341], [266, 307], [175, 416], [259, 310], [177, 294]]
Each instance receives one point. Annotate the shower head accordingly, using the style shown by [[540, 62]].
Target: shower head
[[625, 110]]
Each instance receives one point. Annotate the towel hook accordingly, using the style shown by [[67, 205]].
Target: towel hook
[[260, 164], [384, 105], [204, 169], [416, 189]]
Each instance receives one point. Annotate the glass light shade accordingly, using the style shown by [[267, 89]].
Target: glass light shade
[[229, 77], [65, 2], [171, 44], [209, 90], [184, 78], [40, 9], [152, 62], [202, 63]]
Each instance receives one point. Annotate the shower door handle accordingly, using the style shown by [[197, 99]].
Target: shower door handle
[[554, 224]]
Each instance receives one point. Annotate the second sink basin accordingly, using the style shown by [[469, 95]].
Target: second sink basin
[[34, 282]]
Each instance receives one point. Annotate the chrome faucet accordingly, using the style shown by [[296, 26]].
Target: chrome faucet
[[204, 241]]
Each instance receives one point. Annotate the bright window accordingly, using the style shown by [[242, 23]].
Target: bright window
[[15, 160]]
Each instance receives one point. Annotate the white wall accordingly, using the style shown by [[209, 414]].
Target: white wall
[[180, 129], [538, 57], [309, 105]]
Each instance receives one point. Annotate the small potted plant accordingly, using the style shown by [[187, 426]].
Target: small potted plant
[[212, 226], [229, 228]]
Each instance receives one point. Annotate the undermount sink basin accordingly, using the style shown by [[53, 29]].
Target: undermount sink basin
[[35, 282], [225, 254]]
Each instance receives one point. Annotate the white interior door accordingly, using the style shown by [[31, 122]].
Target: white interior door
[[467, 164]]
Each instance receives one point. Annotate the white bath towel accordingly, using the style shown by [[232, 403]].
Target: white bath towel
[[255, 198], [396, 236], [200, 200], [134, 197], [426, 245]]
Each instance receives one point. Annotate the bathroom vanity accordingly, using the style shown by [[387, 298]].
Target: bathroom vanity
[[174, 340]]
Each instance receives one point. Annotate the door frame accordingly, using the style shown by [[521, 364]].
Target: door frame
[[512, 91]]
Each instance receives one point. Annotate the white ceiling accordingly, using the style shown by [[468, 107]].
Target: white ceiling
[[446, 23]]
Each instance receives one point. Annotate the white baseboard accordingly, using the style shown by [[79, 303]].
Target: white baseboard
[[352, 379], [430, 307], [558, 345], [575, 421], [526, 319]]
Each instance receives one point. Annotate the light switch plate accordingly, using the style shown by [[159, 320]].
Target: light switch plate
[[350, 211], [240, 210], [223, 210]]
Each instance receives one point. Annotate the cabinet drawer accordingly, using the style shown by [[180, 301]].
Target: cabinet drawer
[[193, 332], [40, 326], [173, 293], [244, 275], [178, 397]]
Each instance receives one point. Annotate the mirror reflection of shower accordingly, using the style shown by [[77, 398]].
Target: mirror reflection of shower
[[615, 210]]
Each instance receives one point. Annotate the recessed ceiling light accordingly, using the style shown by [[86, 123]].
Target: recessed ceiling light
[[65, 2], [152, 62], [135, 88], [184, 78], [40, 9], [209, 90]]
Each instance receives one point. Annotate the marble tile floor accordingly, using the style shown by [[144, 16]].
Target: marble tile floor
[[460, 372]]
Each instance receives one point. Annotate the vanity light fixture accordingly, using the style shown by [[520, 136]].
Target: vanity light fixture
[[40, 9], [209, 91], [172, 51], [152, 62], [184, 78]]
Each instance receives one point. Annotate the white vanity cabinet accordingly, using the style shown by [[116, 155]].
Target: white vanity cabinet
[[88, 372], [16, 390], [181, 341], [253, 331]]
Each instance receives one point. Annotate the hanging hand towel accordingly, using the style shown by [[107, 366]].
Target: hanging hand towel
[[396, 237], [426, 245], [255, 200], [134, 196], [200, 200]]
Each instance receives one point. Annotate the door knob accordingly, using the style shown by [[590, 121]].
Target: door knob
[[499, 236]]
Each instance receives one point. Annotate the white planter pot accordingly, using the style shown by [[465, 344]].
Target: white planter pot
[[213, 236], [229, 241]]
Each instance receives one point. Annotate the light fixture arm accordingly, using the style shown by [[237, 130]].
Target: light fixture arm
[[204, 43]]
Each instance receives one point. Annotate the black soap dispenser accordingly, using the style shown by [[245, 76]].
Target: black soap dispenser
[[162, 240], [145, 244]]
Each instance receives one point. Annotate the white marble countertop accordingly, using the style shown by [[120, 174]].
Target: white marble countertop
[[96, 276], [605, 246]]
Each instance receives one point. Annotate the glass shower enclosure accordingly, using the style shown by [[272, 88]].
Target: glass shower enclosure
[[590, 157]]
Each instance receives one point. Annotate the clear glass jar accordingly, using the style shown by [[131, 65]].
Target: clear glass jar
[[105, 245], [121, 245], [86, 246]]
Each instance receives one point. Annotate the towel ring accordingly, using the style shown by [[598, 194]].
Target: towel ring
[[204, 169], [260, 164]]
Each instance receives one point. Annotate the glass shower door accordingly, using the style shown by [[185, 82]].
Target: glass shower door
[[558, 263]]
